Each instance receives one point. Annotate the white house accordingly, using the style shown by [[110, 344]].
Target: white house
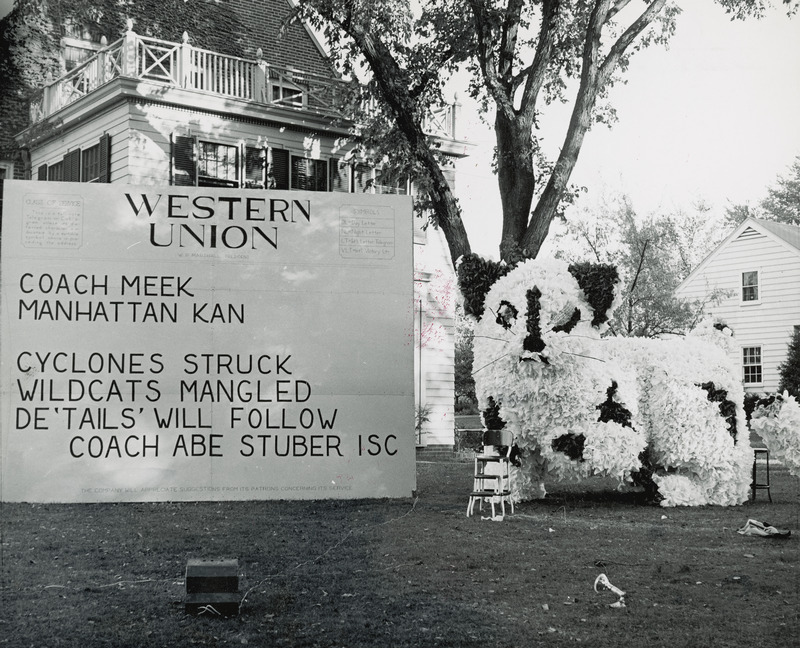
[[141, 110], [756, 274]]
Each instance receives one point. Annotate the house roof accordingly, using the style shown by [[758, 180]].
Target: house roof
[[787, 235]]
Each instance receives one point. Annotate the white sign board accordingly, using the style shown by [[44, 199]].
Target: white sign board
[[181, 343]]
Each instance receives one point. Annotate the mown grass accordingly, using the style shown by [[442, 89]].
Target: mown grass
[[413, 572]]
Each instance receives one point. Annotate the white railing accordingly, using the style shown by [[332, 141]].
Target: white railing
[[183, 66]]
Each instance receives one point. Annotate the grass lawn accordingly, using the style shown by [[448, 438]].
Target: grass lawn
[[414, 572]]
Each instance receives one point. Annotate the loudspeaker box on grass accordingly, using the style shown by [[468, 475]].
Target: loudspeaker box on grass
[[212, 587]]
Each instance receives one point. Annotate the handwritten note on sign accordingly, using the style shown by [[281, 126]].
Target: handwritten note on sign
[[165, 343]]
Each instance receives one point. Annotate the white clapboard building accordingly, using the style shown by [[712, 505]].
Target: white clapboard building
[[756, 274]]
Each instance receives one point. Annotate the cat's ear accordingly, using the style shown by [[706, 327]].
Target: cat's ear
[[476, 276], [599, 284]]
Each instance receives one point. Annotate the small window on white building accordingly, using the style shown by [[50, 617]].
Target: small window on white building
[[751, 364], [309, 175], [750, 287], [217, 165], [386, 183], [363, 178], [287, 95], [255, 167]]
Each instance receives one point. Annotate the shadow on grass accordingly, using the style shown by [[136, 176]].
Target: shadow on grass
[[595, 496]]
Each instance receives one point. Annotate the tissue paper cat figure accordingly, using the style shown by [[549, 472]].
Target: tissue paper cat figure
[[665, 414]]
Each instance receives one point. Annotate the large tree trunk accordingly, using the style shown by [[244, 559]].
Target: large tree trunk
[[516, 180]]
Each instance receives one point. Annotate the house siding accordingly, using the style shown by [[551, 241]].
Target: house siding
[[434, 348], [114, 121], [770, 321]]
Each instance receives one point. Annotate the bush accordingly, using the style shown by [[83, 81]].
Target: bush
[[790, 368]]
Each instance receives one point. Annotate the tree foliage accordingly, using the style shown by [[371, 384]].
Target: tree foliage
[[523, 55], [464, 381], [790, 368], [653, 254], [782, 202]]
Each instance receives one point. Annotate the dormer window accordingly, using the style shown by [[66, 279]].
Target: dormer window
[[750, 287], [79, 42], [286, 94]]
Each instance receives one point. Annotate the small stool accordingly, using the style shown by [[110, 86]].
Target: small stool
[[756, 486], [492, 482]]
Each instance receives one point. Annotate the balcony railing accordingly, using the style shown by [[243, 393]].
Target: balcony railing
[[181, 65]]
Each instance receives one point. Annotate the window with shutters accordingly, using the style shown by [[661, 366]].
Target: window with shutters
[[309, 175], [751, 365], [90, 164], [217, 165]]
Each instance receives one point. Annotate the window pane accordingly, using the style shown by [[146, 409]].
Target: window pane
[[90, 164], [254, 167], [386, 183], [362, 178], [56, 171], [751, 361], [749, 286], [752, 374], [340, 175], [309, 175], [218, 165]]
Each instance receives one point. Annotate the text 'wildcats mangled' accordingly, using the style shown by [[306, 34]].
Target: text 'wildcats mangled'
[[217, 222]]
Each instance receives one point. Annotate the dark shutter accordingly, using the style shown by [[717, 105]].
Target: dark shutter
[[104, 163], [42, 172], [72, 166], [300, 173], [184, 167], [279, 171], [320, 175]]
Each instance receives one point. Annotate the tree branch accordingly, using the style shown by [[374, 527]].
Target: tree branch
[[618, 6], [508, 41], [579, 122], [594, 76], [627, 37], [485, 39], [536, 71], [638, 268]]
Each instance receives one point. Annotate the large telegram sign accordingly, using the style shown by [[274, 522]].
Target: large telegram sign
[[173, 343]]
